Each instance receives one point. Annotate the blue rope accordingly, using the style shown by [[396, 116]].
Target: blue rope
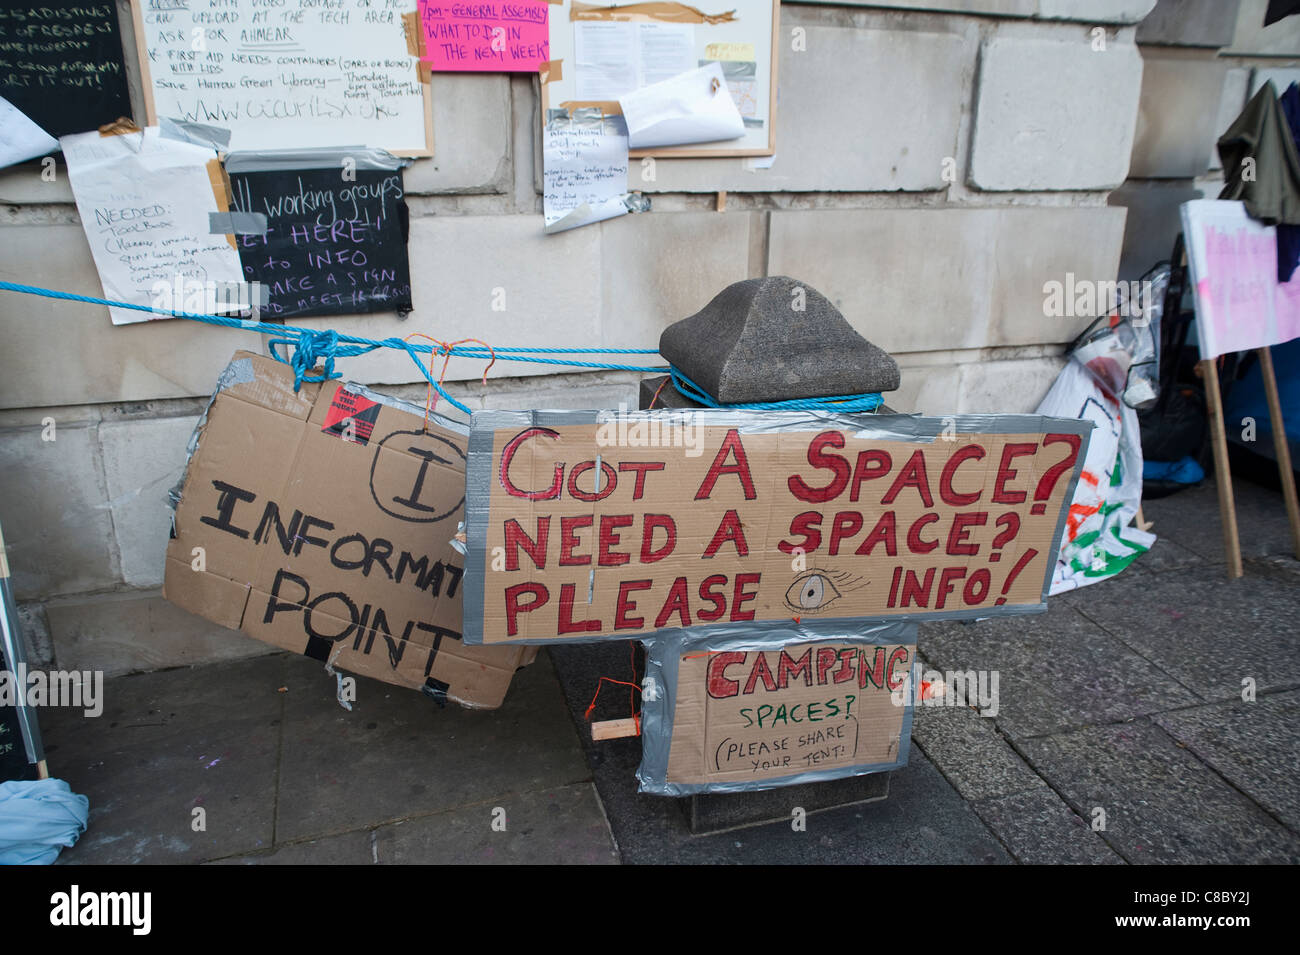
[[842, 403], [312, 348]]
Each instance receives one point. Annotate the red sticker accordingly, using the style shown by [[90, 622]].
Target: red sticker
[[351, 417]]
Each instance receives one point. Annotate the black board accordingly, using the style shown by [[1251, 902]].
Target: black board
[[61, 63], [335, 242], [14, 759]]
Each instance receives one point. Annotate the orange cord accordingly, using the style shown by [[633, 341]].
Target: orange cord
[[657, 390], [610, 679], [445, 349]]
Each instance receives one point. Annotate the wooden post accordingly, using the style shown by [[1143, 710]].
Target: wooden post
[[1280, 447], [615, 729], [1222, 475]]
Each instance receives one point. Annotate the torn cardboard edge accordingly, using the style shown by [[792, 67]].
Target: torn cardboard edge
[[662, 692]]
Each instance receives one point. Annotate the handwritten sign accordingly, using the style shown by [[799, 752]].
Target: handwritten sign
[[732, 712], [61, 63], [504, 37], [1233, 258], [584, 170], [643, 521], [144, 202], [332, 245], [325, 518], [283, 74]]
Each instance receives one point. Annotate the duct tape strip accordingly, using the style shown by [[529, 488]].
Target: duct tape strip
[[197, 134], [333, 157], [236, 223], [415, 44], [660, 11], [713, 704]]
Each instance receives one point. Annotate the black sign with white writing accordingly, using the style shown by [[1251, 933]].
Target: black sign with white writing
[[61, 63], [335, 240]]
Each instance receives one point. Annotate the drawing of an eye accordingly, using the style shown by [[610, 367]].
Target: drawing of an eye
[[811, 592]]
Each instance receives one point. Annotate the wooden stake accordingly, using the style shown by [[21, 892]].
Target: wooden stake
[[615, 729], [1222, 475], [1280, 447], [722, 201]]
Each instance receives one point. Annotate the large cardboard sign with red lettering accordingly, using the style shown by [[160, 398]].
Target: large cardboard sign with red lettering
[[723, 714], [584, 527]]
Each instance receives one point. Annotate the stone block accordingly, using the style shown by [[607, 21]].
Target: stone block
[[1152, 223], [1252, 38], [1054, 114], [143, 460], [1232, 100], [835, 99], [471, 136], [1208, 23], [54, 511], [917, 280], [61, 352], [658, 268], [1181, 95]]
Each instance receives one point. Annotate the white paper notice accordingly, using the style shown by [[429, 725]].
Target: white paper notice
[[695, 107], [144, 202], [20, 138], [614, 58], [585, 170]]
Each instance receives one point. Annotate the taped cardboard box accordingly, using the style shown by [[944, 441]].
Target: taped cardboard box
[[729, 709], [321, 521]]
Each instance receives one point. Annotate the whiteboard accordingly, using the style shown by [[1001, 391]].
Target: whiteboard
[[745, 43], [283, 74]]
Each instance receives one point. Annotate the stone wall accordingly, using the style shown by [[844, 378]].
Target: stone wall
[[938, 161]]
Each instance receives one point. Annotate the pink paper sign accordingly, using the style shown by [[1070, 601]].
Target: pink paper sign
[[1240, 304], [501, 37]]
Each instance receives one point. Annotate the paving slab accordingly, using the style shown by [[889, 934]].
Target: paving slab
[[1255, 746], [166, 744], [549, 827], [923, 820], [1056, 670], [1205, 630], [1040, 829], [563, 826], [345, 848], [397, 754], [1161, 803], [1190, 518], [971, 754]]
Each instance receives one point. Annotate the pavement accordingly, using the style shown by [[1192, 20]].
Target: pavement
[[1124, 734]]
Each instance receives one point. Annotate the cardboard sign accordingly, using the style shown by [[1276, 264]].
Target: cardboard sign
[[320, 521], [1240, 304], [644, 521], [505, 37], [727, 715]]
